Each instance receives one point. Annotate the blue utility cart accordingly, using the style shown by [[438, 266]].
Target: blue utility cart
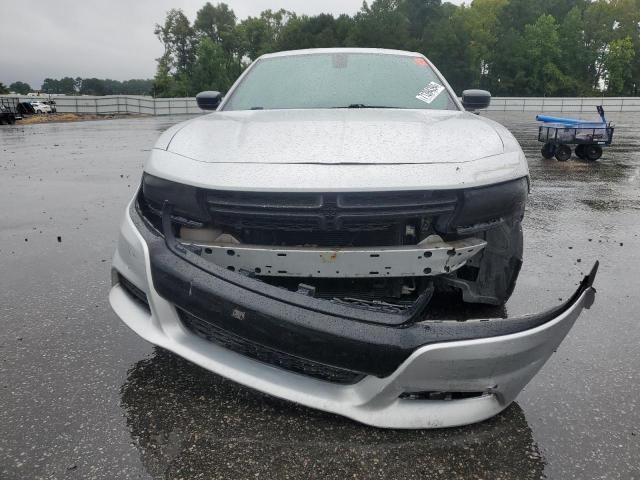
[[589, 137]]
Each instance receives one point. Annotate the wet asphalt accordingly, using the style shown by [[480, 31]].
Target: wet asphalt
[[82, 397]]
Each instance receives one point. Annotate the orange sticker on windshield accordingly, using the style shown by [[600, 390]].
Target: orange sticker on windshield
[[420, 61]]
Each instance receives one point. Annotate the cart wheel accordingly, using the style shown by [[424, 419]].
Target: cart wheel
[[548, 150], [580, 152], [592, 152], [563, 153]]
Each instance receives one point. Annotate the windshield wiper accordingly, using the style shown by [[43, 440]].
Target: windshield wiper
[[362, 105]]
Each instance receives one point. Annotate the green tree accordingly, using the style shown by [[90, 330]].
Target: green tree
[[174, 66], [421, 15], [163, 82], [575, 58], [136, 86], [210, 69], [218, 23], [542, 49], [50, 85], [20, 87], [319, 31], [67, 85], [599, 25], [446, 45], [618, 62], [480, 21], [178, 38], [511, 47], [262, 34], [627, 16], [3, 89], [93, 86], [380, 25]]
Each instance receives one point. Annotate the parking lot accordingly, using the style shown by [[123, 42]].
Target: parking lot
[[81, 396]]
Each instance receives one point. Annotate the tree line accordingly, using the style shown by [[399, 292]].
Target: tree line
[[510, 47], [84, 86]]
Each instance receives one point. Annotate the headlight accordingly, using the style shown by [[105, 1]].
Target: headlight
[[491, 204], [184, 198]]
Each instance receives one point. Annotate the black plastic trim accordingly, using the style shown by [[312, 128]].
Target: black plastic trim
[[214, 334]]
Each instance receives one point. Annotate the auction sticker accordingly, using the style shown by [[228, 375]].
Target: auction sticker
[[430, 92]]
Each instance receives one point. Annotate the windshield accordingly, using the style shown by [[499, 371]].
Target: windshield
[[340, 80]]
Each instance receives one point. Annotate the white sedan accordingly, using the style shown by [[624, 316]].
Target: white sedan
[[292, 240], [41, 107]]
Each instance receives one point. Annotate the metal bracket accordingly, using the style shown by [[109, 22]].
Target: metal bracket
[[424, 259]]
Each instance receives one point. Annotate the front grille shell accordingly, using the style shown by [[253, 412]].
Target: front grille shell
[[326, 211]]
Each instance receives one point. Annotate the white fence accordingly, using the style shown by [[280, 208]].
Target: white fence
[[111, 104], [175, 106], [564, 104]]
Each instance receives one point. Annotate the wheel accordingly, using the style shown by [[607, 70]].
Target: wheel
[[592, 152], [580, 152], [563, 153], [548, 150]]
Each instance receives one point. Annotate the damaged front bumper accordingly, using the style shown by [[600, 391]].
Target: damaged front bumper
[[384, 369]]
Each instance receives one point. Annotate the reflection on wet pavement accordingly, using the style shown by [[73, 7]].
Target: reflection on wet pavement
[[185, 420], [81, 396]]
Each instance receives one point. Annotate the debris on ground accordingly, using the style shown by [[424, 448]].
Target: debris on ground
[[73, 117]]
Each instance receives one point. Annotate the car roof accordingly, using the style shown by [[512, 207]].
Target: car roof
[[311, 51]]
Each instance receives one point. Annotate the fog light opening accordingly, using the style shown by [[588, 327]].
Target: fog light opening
[[442, 396]]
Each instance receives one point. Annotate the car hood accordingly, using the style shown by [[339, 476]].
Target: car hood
[[336, 136]]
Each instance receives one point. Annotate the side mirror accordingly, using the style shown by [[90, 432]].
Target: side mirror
[[475, 99], [208, 100]]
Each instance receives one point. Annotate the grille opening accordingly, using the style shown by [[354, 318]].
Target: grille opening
[[382, 289], [270, 356], [134, 292]]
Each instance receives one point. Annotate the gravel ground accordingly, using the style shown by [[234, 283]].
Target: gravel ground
[[82, 397]]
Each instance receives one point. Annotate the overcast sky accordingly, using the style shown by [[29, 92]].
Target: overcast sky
[[107, 39]]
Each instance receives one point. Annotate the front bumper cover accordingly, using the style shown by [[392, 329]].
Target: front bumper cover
[[400, 358]]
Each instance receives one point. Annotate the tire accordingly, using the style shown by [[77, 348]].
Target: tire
[[580, 152], [592, 152], [563, 153], [548, 150]]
